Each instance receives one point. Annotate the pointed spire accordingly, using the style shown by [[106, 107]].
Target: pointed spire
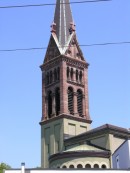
[[63, 20]]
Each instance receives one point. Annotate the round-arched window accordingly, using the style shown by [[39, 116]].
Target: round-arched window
[[71, 166], [88, 166], [104, 166], [64, 167], [79, 166], [96, 166]]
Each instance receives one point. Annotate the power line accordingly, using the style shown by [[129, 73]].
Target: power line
[[82, 45], [23, 49], [51, 4], [105, 44]]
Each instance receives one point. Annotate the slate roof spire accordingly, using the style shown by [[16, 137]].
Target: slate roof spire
[[63, 20]]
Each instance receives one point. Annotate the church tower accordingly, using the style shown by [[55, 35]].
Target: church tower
[[65, 108]]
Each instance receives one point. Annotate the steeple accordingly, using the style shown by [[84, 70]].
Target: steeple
[[65, 107], [64, 69], [63, 20]]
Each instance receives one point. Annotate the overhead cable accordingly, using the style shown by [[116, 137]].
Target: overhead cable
[[50, 4], [82, 45]]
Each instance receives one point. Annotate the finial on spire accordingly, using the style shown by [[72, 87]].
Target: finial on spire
[[72, 27], [53, 27]]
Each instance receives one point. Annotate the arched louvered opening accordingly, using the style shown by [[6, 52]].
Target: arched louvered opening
[[57, 98], [80, 76], [80, 102], [77, 75], [49, 104], [55, 75], [71, 73], [68, 72], [50, 76], [70, 100], [58, 73]]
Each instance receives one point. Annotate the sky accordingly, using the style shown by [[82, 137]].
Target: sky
[[20, 75]]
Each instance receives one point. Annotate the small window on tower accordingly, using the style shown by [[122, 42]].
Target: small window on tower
[[71, 73], [58, 73], [50, 76], [55, 75], [80, 76], [68, 72], [47, 78], [77, 75]]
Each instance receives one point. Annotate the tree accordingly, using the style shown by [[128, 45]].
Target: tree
[[4, 166]]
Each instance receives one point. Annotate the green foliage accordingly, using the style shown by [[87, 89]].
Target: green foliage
[[4, 166]]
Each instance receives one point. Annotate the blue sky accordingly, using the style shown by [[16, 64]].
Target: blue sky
[[20, 75]]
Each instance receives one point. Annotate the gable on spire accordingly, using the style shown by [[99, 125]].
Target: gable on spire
[[53, 49], [73, 49]]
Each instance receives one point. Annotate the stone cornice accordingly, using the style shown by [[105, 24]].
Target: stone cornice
[[80, 119], [79, 154], [102, 130], [51, 63], [52, 84], [75, 62], [75, 83], [71, 61]]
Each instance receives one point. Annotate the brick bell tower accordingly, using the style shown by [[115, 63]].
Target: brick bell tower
[[65, 108]]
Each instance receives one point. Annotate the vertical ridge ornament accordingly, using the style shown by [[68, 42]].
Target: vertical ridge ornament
[[62, 19]]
